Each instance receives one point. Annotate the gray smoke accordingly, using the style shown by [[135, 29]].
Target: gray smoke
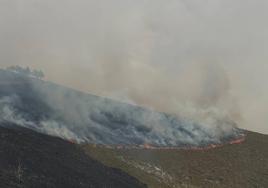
[[187, 58], [72, 115], [50, 127]]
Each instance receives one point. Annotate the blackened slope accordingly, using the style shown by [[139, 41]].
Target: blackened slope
[[29, 159]]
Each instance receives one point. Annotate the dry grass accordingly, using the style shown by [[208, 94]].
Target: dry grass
[[243, 165]]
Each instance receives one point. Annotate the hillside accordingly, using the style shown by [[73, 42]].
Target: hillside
[[242, 165], [84, 118], [93, 132], [30, 160]]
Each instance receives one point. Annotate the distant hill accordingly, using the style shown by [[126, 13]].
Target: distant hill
[[242, 165], [32, 160]]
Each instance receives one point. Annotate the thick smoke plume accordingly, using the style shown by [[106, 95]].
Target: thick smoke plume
[[72, 115], [192, 59]]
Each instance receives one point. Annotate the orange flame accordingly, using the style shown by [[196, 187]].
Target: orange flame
[[147, 146]]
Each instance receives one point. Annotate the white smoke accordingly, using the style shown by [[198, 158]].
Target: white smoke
[[72, 115], [8, 114]]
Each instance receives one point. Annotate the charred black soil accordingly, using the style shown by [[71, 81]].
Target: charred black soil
[[32, 160]]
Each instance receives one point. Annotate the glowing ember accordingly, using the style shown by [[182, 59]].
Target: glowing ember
[[238, 141]]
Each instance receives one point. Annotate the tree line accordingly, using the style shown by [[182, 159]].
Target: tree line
[[27, 71]]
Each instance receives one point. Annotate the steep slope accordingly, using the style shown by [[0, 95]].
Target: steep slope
[[242, 165], [29, 159]]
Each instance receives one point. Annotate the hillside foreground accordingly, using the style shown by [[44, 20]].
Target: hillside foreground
[[237, 166], [32, 160]]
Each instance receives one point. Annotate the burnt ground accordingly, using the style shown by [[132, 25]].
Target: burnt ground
[[32, 160]]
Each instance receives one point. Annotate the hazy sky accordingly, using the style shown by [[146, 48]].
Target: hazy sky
[[163, 54]]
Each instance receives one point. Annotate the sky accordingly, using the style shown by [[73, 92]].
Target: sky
[[177, 56]]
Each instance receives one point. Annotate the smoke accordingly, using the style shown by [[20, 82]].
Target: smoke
[[9, 114], [187, 58], [72, 115]]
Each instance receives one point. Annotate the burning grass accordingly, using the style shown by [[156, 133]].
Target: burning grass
[[238, 140]]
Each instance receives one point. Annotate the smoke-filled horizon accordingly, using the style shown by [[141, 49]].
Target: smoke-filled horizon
[[181, 57]]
